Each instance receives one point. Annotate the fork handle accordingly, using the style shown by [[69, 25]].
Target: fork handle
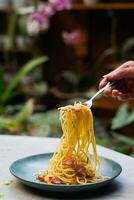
[[89, 102], [110, 83], [101, 90]]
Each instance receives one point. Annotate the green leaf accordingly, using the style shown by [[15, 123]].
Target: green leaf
[[18, 77], [132, 154], [2, 121], [8, 182], [37, 89], [71, 77], [102, 136], [46, 124], [128, 45], [1, 81], [130, 118], [49, 117], [12, 21], [123, 139], [16, 123], [103, 56], [1, 195], [122, 118], [8, 124], [25, 112]]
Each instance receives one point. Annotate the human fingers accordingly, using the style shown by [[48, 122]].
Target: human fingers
[[125, 97], [120, 74], [103, 83], [115, 93], [127, 64], [124, 66], [108, 91]]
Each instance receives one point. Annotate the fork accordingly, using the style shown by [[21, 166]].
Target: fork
[[90, 101]]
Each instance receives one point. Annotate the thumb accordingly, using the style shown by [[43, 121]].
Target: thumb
[[121, 73]]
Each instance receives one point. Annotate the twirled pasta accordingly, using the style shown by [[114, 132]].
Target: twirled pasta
[[72, 163]]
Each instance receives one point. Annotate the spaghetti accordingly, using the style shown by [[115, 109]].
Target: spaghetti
[[72, 163]]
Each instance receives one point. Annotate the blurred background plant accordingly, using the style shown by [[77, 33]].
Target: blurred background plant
[[9, 91], [32, 89]]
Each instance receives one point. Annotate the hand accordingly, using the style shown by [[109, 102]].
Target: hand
[[123, 89]]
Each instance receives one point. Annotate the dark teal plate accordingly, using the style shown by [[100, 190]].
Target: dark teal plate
[[25, 168]]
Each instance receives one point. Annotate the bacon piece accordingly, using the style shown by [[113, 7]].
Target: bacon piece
[[79, 168], [69, 161], [55, 180], [41, 177]]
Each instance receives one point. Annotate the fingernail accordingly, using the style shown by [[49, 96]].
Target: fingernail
[[104, 76]]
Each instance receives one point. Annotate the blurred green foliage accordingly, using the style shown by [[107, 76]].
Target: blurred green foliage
[[77, 82], [27, 122], [10, 122], [48, 124], [121, 53], [123, 117], [8, 91]]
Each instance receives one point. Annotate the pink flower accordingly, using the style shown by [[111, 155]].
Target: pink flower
[[72, 38], [61, 4], [39, 20], [36, 23], [46, 9]]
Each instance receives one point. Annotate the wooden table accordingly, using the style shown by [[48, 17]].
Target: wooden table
[[15, 147]]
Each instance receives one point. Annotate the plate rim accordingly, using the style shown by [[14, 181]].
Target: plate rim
[[61, 185]]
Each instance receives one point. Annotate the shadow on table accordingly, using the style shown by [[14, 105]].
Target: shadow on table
[[95, 193]]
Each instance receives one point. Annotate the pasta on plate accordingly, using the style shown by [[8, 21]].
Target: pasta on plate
[[73, 163]]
